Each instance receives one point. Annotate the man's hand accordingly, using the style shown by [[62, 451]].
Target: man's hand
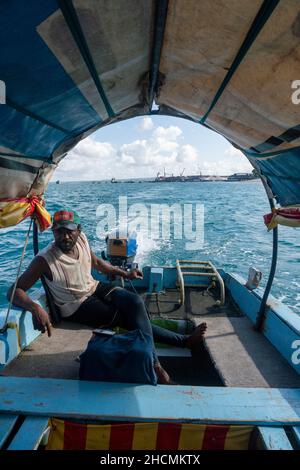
[[41, 320], [107, 268], [135, 274], [36, 269]]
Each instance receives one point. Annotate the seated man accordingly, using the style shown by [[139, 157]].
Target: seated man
[[66, 265]]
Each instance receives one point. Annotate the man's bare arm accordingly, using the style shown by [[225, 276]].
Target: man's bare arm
[[107, 268], [36, 269]]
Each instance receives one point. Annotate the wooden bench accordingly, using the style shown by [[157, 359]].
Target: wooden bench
[[271, 410], [26, 436]]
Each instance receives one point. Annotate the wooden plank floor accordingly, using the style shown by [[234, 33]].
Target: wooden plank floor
[[242, 357], [245, 358], [52, 357]]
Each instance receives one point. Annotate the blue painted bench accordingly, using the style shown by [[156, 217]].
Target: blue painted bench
[[7, 423], [26, 437], [274, 438], [38, 399]]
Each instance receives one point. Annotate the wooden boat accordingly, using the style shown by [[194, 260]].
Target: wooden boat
[[73, 67]]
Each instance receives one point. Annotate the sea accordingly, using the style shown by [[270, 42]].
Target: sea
[[225, 219]]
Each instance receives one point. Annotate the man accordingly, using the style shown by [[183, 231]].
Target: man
[[66, 265]]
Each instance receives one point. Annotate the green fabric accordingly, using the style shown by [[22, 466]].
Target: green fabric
[[169, 324]]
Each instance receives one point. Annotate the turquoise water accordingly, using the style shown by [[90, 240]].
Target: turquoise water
[[235, 236]]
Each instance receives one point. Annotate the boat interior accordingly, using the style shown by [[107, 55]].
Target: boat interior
[[73, 67], [232, 354]]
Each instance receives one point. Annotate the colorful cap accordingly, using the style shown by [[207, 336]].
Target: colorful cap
[[66, 218]]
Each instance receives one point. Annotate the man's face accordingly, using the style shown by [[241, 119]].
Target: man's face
[[65, 239]]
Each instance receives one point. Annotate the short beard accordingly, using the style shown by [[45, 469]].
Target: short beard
[[66, 248]]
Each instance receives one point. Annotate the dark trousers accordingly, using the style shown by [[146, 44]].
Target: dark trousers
[[125, 309]]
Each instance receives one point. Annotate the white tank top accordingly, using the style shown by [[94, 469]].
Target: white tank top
[[72, 281]]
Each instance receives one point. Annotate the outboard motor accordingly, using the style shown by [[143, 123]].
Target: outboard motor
[[121, 251]]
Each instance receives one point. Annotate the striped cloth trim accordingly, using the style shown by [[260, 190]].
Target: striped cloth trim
[[14, 210], [66, 435]]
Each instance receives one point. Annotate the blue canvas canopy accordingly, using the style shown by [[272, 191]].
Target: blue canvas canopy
[[71, 67]]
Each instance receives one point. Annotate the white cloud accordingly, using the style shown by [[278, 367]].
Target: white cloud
[[165, 148], [187, 154], [233, 152], [234, 162], [91, 160], [161, 149], [87, 161], [168, 133], [146, 124]]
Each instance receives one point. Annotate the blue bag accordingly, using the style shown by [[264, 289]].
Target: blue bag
[[126, 357]]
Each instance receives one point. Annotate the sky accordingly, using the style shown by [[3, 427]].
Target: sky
[[143, 146]]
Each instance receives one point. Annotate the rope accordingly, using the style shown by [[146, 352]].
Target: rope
[[5, 326]]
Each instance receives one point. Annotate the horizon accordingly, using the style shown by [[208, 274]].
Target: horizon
[[141, 147], [125, 180]]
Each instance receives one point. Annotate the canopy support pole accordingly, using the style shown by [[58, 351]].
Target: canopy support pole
[[260, 20], [35, 117], [159, 31], [69, 12], [262, 311], [55, 317]]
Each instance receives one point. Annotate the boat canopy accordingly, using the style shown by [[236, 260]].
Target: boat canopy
[[71, 67]]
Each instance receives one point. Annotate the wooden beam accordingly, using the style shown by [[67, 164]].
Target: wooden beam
[[131, 402], [30, 433], [274, 438], [7, 423], [296, 435]]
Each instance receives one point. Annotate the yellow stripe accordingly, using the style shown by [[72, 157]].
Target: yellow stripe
[[19, 338], [144, 436], [12, 213], [56, 437], [98, 437], [44, 214], [238, 438], [13, 325], [191, 436]]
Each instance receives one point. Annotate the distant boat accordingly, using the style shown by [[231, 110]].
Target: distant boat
[[113, 180], [57, 181]]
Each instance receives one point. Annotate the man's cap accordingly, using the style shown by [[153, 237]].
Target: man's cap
[[66, 218]]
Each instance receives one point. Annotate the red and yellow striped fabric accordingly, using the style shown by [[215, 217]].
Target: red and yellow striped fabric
[[13, 211], [289, 216], [66, 435]]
